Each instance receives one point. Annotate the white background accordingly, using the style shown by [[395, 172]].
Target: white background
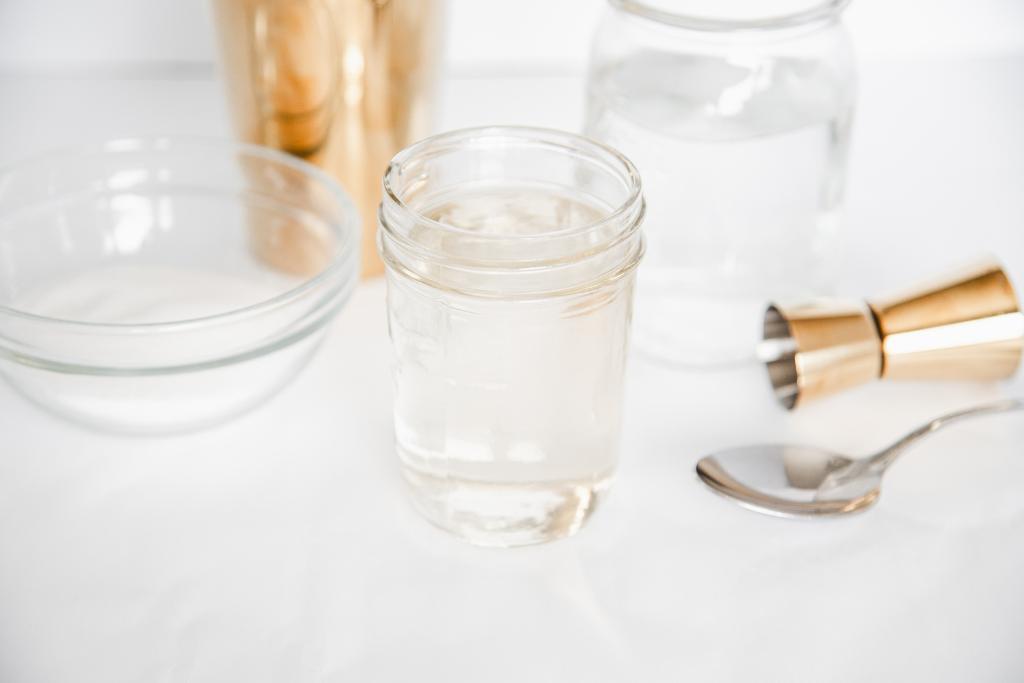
[[278, 547], [534, 35]]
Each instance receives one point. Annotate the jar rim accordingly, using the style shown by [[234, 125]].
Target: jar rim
[[530, 134], [821, 10], [559, 261]]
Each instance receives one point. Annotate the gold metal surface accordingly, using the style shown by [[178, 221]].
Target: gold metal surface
[[344, 84], [835, 345], [964, 325]]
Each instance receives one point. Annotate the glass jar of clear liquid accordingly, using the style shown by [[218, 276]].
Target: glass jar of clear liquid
[[738, 118], [510, 256]]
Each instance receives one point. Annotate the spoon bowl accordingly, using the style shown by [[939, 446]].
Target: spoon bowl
[[782, 480]]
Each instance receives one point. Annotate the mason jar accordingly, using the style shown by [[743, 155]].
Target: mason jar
[[510, 256], [738, 117]]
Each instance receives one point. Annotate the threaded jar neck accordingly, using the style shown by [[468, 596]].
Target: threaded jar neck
[[511, 212]]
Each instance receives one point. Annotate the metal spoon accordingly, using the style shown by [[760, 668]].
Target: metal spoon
[[803, 480]]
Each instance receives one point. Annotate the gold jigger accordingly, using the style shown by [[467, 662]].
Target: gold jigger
[[343, 84], [965, 325]]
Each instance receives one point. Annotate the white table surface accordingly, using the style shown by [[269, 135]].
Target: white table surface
[[278, 547]]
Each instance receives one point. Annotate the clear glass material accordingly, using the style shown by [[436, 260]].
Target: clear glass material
[[153, 286], [510, 256], [738, 117]]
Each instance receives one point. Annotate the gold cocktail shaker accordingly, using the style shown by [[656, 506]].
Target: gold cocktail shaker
[[964, 325], [343, 84]]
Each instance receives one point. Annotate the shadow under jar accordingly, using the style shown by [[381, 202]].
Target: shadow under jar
[[738, 116], [510, 256]]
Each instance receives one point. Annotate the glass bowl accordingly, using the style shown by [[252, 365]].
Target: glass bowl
[[163, 285]]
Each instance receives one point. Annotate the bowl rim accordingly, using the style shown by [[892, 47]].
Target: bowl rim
[[344, 256]]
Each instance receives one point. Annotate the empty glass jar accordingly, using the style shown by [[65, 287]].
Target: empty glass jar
[[738, 118], [510, 256]]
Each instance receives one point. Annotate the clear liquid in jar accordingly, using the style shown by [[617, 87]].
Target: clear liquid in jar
[[508, 412]]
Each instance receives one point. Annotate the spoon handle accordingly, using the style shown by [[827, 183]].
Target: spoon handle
[[879, 462]]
